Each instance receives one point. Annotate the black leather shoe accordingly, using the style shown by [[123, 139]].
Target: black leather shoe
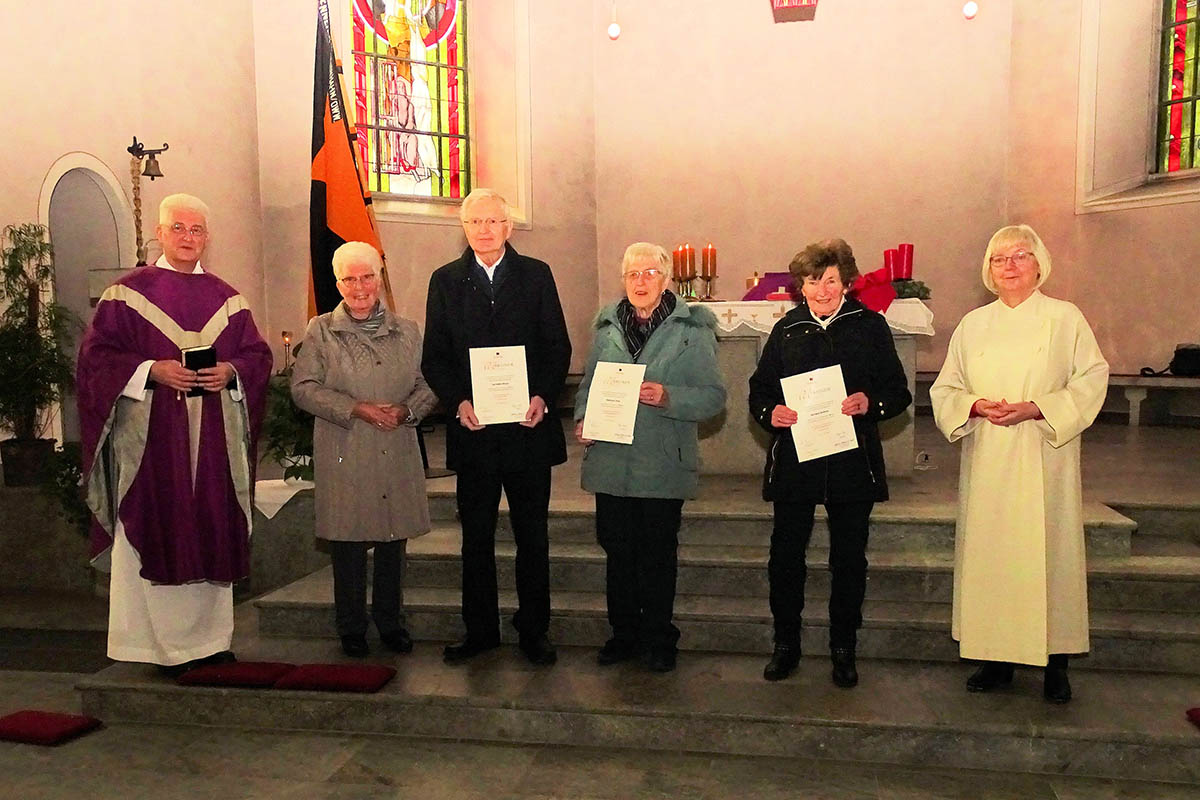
[[992, 675], [465, 650], [660, 659], [398, 641], [784, 660], [1057, 688], [616, 651], [845, 674], [355, 646], [174, 670], [539, 650]]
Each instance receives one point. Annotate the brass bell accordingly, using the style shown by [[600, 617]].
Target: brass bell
[[152, 170]]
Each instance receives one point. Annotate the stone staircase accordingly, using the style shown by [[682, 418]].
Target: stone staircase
[[910, 708]]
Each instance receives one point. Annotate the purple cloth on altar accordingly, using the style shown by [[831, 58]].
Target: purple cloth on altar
[[182, 533], [769, 284]]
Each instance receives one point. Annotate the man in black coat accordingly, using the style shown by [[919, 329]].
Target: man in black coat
[[493, 296]]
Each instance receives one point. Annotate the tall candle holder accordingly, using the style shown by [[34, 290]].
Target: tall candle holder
[[287, 350], [708, 271]]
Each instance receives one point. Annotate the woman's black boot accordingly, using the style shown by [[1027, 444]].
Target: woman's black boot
[[992, 675], [1057, 688]]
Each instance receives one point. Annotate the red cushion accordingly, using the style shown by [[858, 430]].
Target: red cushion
[[1194, 715], [44, 727], [249, 674], [337, 677]]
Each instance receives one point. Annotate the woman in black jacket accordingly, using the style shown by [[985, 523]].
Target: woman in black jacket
[[827, 328]]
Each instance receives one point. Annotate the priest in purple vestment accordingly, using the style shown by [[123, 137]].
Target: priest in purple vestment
[[168, 451]]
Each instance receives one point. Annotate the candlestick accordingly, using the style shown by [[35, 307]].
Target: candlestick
[[891, 262], [287, 349], [708, 261], [906, 261]]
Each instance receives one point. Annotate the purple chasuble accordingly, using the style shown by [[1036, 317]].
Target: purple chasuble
[[137, 458]]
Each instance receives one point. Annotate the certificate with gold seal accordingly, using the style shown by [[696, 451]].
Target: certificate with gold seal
[[499, 384], [816, 397], [613, 402]]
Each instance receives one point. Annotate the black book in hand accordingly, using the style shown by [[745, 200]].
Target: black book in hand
[[196, 359]]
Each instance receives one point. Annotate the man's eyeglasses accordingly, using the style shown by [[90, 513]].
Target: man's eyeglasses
[[490, 222], [196, 231], [633, 276], [1021, 258], [359, 280]]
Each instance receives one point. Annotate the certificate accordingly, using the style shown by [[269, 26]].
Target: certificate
[[822, 428], [499, 384], [613, 402]]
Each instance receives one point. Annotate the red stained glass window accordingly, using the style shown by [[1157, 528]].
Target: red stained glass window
[[410, 95], [1178, 146]]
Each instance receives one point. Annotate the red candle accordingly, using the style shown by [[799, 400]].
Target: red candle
[[689, 266], [906, 261], [708, 262], [676, 267], [891, 261]]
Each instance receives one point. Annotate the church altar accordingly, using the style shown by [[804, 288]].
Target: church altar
[[733, 443]]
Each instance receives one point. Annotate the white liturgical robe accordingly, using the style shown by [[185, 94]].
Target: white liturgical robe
[[1020, 572]]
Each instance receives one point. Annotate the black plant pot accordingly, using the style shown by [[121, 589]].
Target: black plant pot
[[26, 461]]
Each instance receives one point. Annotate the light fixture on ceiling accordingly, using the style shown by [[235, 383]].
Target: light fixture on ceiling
[[970, 9], [614, 28]]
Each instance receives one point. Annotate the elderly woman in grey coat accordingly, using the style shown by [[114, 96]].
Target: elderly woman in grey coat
[[358, 372]]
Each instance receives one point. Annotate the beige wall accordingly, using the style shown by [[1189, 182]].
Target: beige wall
[[880, 122], [117, 71], [563, 173], [1130, 271]]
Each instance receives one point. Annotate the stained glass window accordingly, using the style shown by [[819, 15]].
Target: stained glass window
[[1178, 109], [410, 94]]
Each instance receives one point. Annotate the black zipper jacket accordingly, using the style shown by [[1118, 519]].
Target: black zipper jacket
[[858, 340]]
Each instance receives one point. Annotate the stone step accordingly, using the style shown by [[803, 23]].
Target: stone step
[[902, 713], [1128, 640], [1134, 583], [925, 527]]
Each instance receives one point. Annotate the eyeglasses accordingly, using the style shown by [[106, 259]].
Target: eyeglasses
[[196, 231], [359, 280], [490, 222], [633, 276], [1021, 258]]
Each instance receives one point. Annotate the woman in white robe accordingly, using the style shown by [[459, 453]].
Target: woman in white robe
[[1023, 378]]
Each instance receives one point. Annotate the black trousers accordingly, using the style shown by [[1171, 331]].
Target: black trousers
[[640, 536], [478, 497], [350, 586], [786, 570]]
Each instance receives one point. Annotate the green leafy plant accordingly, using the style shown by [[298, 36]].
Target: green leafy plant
[[63, 482], [287, 429], [916, 289], [33, 360]]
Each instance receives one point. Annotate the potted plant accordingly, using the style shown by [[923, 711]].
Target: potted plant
[[36, 368], [287, 429]]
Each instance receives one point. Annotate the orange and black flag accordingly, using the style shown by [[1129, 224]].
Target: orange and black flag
[[340, 209]]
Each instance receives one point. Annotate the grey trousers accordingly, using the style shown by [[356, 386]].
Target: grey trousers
[[350, 586]]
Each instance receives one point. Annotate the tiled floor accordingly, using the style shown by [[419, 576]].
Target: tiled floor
[[146, 761], [1121, 466]]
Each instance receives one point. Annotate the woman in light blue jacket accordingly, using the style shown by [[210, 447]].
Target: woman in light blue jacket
[[640, 487]]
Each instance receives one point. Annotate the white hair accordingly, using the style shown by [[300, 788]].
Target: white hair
[[646, 251], [1016, 234], [356, 253], [484, 194], [181, 202]]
